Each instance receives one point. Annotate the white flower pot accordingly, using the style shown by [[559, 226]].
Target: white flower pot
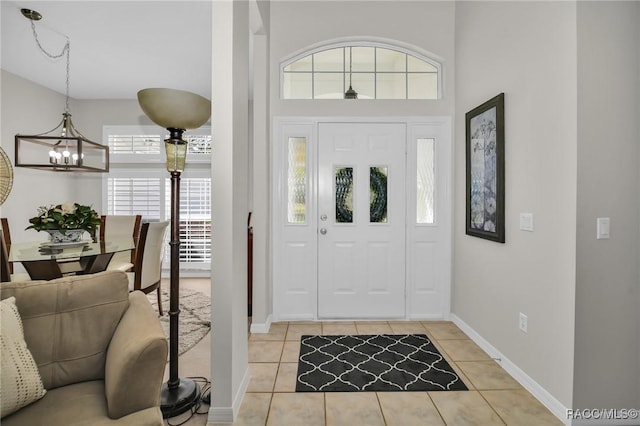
[[69, 236]]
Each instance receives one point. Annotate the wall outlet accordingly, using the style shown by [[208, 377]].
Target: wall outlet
[[523, 322]]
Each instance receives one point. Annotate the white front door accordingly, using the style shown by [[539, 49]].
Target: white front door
[[361, 220], [334, 255]]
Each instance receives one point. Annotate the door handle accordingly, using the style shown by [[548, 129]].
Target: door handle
[[323, 231]]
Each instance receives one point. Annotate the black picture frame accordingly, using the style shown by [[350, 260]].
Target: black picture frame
[[485, 170]]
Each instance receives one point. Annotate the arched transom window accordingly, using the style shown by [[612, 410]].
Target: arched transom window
[[373, 71]]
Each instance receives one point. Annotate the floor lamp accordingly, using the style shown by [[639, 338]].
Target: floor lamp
[[175, 110]]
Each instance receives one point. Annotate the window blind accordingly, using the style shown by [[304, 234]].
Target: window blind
[[195, 219], [128, 196]]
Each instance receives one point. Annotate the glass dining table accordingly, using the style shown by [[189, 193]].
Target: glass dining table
[[44, 260]]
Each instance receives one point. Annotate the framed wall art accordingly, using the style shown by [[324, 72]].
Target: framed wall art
[[485, 170]]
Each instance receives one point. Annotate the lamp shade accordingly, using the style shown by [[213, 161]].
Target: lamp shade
[[171, 108]]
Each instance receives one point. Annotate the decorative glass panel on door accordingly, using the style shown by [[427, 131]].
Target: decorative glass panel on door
[[425, 185], [297, 180], [344, 194], [378, 194]]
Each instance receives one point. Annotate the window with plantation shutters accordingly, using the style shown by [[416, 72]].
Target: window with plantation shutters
[[138, 183], [129, 196], [195, 219], [135, 144]]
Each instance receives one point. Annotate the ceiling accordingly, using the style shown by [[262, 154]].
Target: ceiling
[[117, 47]]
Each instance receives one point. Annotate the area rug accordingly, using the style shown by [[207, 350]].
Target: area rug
[[195, 316], [383, 362]]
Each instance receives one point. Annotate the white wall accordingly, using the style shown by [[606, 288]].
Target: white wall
[[607, 361], [262, 285], [528, 51], [230, 189]]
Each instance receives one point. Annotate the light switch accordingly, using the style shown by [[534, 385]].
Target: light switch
[[603, 225], [526, 222]]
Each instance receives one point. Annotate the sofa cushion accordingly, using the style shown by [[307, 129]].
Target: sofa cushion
[[80, 404], [20, 380], [68, 323]]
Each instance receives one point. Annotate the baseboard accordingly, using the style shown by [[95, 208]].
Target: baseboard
[[228, 414], [540, 393], [257, 328]]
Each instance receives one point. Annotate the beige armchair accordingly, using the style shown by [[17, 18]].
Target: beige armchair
[[100, 351]]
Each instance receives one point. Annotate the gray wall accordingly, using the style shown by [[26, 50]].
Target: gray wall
[[607, 309], [297, 25], [528, 51], [28, 108], [90, 117]]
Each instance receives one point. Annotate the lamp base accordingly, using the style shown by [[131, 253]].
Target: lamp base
[[176, 401]]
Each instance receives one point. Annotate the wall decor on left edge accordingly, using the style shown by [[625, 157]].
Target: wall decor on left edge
[[485, 170]]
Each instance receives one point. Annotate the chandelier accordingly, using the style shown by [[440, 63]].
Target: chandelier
[[63, 148]]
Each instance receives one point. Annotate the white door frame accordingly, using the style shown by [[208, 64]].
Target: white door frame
[[294, 245]]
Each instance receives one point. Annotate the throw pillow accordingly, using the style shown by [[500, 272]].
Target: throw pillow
[[20, 384]]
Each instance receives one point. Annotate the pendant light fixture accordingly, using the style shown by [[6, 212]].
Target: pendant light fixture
[[350, 93], [63, 148]]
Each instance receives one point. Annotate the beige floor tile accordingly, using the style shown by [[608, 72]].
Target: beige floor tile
[[520, 408], [195, 420], [286, 379], [291, 351], [407, 328], [263, 376], [487, 375], [464, 350], [464, 408], [277, 331], [408, 408], [444, 330], [296, 330], [296, 409], [265, 351], [366, 328], [353, 408], [339, 328], [253, 411]]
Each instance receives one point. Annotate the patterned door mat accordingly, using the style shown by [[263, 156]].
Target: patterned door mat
[[383, 362]]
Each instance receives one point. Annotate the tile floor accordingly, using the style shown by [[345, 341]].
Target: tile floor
[[494, 398]]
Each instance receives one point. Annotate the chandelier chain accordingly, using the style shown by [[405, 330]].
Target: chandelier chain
[[65, 50]]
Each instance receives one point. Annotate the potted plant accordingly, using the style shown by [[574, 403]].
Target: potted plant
[[65, 222]]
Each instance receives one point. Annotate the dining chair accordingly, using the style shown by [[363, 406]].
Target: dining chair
[[6, 234], [118, 226], [148, 265], [6, 270], [5, 267]]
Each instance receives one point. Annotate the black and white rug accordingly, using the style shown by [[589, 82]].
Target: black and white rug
[[384, 362]]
